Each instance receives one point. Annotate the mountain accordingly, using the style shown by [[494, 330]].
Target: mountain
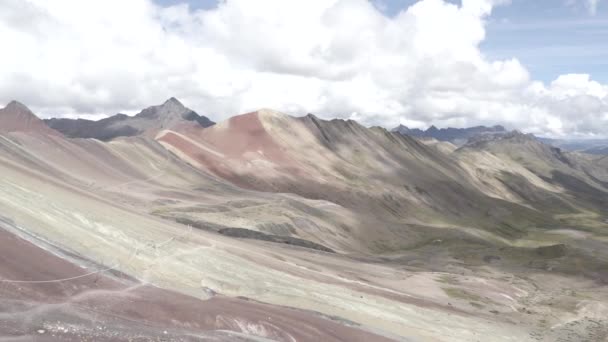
[[272, 227], [591, 146], [457, 136], [408, 131], [149, 120], [493, 138], [380, 175], [16, 117], [602, 150], [573, 173]]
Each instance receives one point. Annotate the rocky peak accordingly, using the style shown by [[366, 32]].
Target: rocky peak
[[171, 112], [401, 129], [173, 101], [16, 107], [17, 117], [171, 108]]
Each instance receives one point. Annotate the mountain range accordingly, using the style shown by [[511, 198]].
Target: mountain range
[[457, 136], [460, 136], [149, 120], [591, 146], [268, 227]]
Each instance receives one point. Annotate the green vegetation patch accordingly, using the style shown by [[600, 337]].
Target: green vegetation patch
[[454, 292]]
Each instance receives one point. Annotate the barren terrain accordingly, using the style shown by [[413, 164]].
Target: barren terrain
[[345, 233]]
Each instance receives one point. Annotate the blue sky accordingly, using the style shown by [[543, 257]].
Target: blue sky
[[549, 37]]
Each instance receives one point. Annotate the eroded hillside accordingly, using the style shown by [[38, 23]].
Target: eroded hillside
[[269, 227]]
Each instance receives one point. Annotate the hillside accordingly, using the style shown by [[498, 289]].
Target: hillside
[[271, 227], [381, 175]]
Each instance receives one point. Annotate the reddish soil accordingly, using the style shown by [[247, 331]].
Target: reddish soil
[[112, 307], [239, 141], [16, 117], [245, 133], [209, 161]]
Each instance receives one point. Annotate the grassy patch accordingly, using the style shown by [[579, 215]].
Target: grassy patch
[[448, 279], [588, 221], [457, 293]]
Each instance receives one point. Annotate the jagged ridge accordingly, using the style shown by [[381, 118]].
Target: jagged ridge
[[150, 120]]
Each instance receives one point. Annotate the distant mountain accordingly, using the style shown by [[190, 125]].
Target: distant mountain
[[16, 117], [598, 150], [458, 136], [511, 136], [150, 120], [522, 147], [591, 146], [408, 131], [583, 176]]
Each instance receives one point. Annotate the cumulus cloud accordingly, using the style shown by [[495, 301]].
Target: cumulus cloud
[[335, 58], [592, 6]]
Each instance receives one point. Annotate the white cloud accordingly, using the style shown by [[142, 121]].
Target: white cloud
[[592, 6], [336, 58]]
